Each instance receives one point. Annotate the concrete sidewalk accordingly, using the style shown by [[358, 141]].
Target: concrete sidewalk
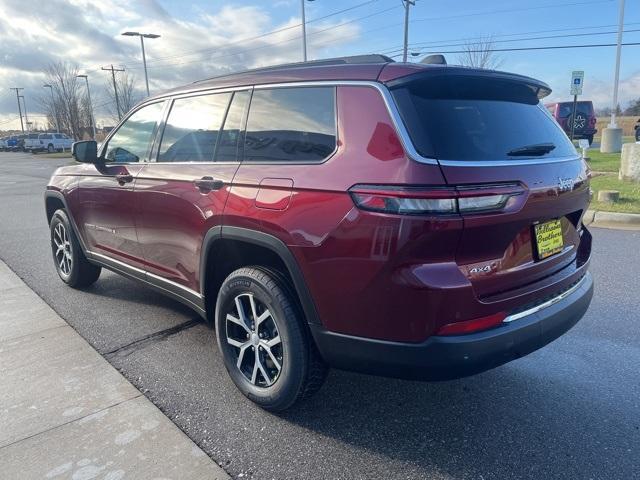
[[66, 413]]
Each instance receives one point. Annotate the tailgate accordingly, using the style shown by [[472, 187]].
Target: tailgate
[[488, 130]]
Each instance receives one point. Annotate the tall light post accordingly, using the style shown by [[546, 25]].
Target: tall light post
[[144, 58], [91, 119], [53, 105], [612, 135], [407, 4], [304, 30]]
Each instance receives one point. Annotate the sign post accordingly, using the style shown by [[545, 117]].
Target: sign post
[[577, 79]]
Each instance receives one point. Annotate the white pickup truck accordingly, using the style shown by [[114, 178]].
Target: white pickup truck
[[32, 143], [54, 142]]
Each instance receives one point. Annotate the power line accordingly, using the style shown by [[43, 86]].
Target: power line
[[551, 47], [512, 10], [273, 32], [270, 45], [528, 39], [244, 40], [535, 32]]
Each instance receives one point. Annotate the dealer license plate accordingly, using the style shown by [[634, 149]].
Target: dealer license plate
[[548, 238]]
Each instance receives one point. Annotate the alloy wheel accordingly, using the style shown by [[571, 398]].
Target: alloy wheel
[[253, 332], [63, 252]]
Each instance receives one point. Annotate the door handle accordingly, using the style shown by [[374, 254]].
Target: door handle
[[124, 178], [207, 184]]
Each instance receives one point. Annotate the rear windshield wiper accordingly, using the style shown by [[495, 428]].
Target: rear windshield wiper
[[538, 149]]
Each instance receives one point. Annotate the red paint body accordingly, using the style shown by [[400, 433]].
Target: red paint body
[[374, 275]]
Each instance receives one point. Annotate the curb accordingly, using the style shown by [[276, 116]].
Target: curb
[[615, 220]]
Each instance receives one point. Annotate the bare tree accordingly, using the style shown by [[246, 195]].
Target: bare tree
[[128, 95], [69, 107], [479, 54]]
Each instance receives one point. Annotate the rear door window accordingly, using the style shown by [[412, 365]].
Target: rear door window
[[192, 128], [295, 124], [478, 119]]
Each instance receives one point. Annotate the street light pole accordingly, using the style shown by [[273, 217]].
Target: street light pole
[[53, 106], [91, 118], [144, 58], [611, 140], [614, 107], [407, 4]]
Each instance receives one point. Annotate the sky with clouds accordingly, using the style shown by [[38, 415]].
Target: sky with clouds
[[205, 38]]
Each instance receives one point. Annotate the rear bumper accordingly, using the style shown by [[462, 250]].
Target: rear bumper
[[446, 358], [584, 133]]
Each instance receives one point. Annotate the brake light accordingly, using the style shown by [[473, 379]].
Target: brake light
[[435, 200], [474, 325]]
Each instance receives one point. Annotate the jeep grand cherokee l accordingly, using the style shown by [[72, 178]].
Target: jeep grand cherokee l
[[373, 216]]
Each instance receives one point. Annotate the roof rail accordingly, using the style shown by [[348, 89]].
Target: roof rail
[[355, 59]]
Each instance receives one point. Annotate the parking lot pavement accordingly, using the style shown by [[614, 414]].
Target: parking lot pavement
[[66, 413], [570, 410]]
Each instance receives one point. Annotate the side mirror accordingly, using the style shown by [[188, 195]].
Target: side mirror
[[85, 152]]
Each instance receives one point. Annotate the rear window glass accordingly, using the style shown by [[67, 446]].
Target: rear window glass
[[291, 125], [478, 119], [566, 109]]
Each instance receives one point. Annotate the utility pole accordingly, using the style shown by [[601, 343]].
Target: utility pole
[[19, 107], [26, 117], [91, 119], [115, 87], [407, 4], [304, 33]]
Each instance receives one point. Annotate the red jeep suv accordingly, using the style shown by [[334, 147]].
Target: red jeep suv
[[407, 220]]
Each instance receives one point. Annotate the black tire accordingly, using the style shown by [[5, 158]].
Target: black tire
[[302, 371], [74, 269]]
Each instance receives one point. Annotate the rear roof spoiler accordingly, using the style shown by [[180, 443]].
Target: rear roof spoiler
[[542, 89]]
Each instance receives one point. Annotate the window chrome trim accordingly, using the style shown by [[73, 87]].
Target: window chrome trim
[[393, 111], [547, 304]]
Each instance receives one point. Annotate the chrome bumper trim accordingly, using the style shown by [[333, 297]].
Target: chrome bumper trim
[[542, 306]]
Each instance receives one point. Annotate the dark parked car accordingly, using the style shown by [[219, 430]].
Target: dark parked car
[[362, 214], [585, 121]]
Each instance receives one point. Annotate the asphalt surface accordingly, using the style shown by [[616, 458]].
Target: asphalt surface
[[570, 410]]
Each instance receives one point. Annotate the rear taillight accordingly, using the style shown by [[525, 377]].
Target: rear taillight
[[465, 199], [474, 325]]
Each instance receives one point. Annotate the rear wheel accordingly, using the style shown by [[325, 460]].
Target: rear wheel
[[72, 266], [265, 345]]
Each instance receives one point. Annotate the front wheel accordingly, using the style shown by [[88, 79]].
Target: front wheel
[[265, 345], [72, 266]]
